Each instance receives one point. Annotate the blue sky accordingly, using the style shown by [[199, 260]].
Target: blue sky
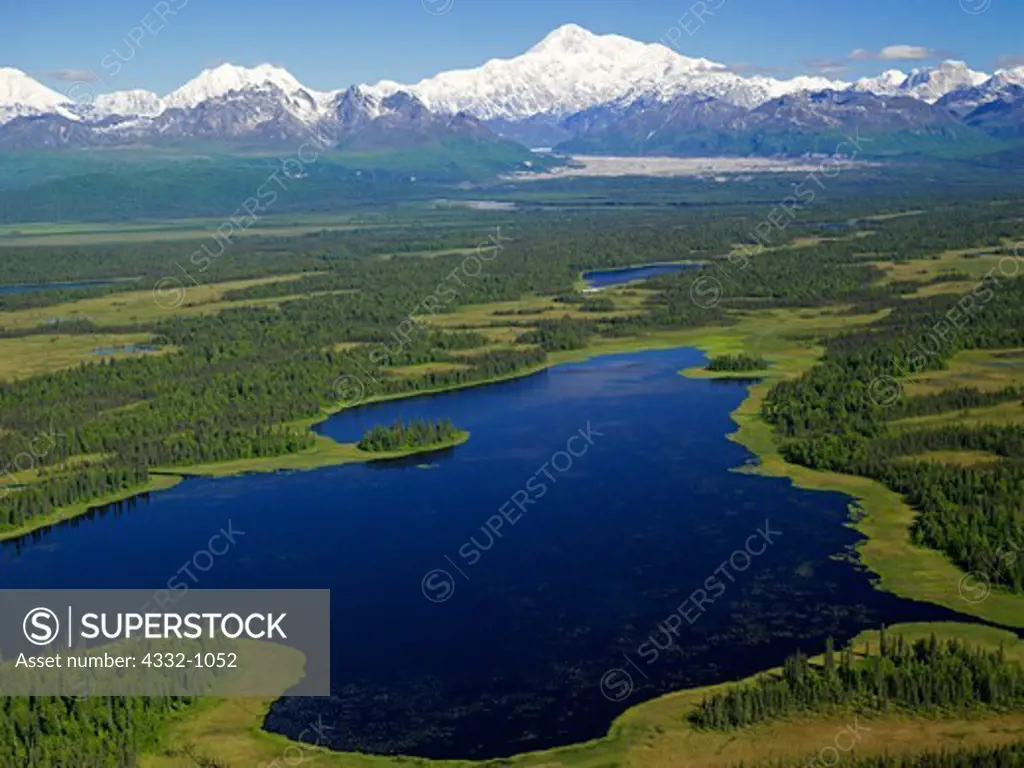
[[333, 43]]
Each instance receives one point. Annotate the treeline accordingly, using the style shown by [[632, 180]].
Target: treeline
[[559, 335], [1009, 756], [598, 304], [955, 399], [969, 513], [1006, 441], [142, 263], [85, 483], [401, 435], [928, 676], [836, 417], [72, 732], [739, 362]]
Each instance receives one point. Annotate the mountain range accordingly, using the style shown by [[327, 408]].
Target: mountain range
[[575, 90]]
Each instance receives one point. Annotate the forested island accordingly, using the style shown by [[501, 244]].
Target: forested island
[[738, 363], [412, 436]]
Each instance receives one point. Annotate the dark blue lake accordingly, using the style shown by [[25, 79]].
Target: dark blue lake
[[451, 640], [602, 278]]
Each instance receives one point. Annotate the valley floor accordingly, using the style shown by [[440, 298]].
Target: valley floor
[[610, 166]]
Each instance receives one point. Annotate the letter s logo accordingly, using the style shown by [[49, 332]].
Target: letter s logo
[[41, 626]]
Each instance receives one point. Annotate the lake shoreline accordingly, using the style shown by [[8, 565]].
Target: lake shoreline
[[334, 455], [882, 516], [584, 280], [157, 482], [234, 726], [162, 479], [752, 433]]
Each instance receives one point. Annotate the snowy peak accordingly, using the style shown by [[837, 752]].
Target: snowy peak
[[892, 77], [23, 96], [358, 104], [573, 40], [1005, 85], [1006, 77], [18, 88], [889, 83], [570, 70], [219, 81], [569, 38], [136, 103], [932, 84], [263, 83], [355, 104], [746, 92], [803, 83]]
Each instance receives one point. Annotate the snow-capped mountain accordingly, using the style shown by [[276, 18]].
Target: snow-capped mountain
[[800, 84], [261, 116], [797, 123], [136, 103], [573, 84], [889, 83], [1001, 117], [221, 80], [572, 70], [304, 103], [1005, 85], [932, 84], [1013, 76], [230, 99], [21, 96], [366, 122], [648, 122], [745, 92]]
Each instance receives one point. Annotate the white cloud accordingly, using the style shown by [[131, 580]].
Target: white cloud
[[906, 53], [74, 75], [900, 52]]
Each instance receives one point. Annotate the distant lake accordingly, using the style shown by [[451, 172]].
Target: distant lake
[[478, 205], [829, 224], [603, 278], [127, 348], [513, 660], [33, 287]]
